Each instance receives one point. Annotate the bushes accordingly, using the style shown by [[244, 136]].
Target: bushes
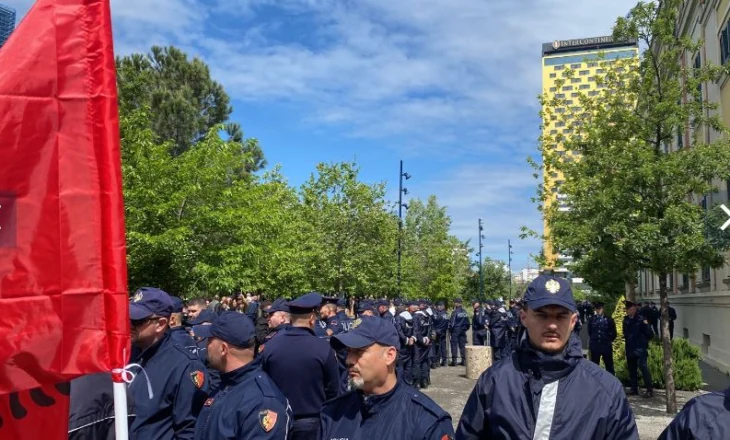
[[685, 357]]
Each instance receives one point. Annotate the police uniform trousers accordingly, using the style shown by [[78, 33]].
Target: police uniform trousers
[[458, 345], [602, 350], [422, 367], [439, 349], [479, 337], [637, 361], [305, 429], [406, 355]]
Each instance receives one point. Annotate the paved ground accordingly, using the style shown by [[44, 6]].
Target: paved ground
[[450, 388]]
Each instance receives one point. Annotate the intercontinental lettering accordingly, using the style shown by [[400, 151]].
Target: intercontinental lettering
[[557, 44]]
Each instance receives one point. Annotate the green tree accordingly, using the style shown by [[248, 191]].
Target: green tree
[[435, 264], [627, 188], [349, 234], [185, 102]]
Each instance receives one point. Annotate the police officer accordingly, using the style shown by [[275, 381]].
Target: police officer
[[601, 333], [178, 379], [479, 324], [328, 315], [498, 330], [177, 331], [345, 321], [248, 404], [383, 310], [380, 405], [672, 318], [422, 332], [458, 326], [540, 392], [637, 334], [704, 417], [252, 308], [404, 324], [278, 318], [303, 366], [440, 327]]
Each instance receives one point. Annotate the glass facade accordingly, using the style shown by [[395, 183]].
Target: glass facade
[[7, 22]]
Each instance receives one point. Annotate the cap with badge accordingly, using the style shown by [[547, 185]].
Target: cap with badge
[[232, 327], [628, 304], [372, 330], [150, 301], [306, 303], [279, 305], [546, 291]]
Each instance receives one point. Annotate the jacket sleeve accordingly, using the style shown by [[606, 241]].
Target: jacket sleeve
[[473, 424], [646, 330], [188, 401], [331, 376], [683, 425], [621, 424], [441, 428], [612, 333], [253, 426]]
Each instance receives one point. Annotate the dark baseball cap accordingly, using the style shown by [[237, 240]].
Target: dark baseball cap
[[372, 330], [305, 303], [149, 301], [279, 305], [235, 328], [629, 304], [205, 315], [341, 302], [177, 304], [546, 291], [457, 300]]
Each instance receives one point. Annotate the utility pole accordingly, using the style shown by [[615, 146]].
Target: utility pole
[[509, 265], [401, 205], [481, 273]]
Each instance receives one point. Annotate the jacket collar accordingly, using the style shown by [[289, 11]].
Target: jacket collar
[[147, 354], [238, 375], [373, 404], [300, 330], [547, 367]]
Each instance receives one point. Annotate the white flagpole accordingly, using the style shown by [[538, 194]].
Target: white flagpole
[[121, 427]]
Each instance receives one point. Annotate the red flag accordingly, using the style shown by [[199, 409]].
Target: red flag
[[63, 292]]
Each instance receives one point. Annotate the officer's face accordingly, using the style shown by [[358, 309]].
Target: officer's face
[[368, 367], [548, 327], [145, 332], [194, 310], [276, 319]]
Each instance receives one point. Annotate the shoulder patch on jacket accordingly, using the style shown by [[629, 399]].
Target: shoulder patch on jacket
[[264, 385]]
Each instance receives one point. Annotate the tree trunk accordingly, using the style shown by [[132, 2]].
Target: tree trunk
[[667, 346], [631, 284]]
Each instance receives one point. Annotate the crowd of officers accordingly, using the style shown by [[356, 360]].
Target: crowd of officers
[[306, 369]]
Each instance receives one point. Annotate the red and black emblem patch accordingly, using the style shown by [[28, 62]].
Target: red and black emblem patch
[[208, 402], [198, 378], [267, 419]]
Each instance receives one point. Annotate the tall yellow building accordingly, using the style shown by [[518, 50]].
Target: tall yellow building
[[582, 56]]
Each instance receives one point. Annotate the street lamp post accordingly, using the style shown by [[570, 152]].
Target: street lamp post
[[481, 273], [401, 205], [509, 266]]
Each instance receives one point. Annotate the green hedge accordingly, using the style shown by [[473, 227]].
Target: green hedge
[[685, 356]]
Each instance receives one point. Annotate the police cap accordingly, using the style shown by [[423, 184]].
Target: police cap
[[440, 303], [371, 331], [279, 305], [457, 300], [235, 328], [149, 301], [177, 304], [205, 315], [306, 303], [628, 304], [546, 290], [598, 304], [341, 302]]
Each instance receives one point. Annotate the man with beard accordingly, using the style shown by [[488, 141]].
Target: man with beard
[[279, 319], [178, 380], [379, 406], [248, 403], [539, 392]]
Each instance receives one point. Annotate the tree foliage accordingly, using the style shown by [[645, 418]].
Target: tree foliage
[[629, 190]]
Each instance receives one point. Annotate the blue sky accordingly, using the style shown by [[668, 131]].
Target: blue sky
[[448, 86]]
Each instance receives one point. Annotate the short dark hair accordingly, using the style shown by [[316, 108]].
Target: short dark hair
[[197, 302]]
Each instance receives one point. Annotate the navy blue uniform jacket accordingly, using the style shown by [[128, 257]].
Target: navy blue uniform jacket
[[402, 414], [247, 406], [305, 369], [706, 417], [180, 386], [637, 334], [564, 396], [459, 322]]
